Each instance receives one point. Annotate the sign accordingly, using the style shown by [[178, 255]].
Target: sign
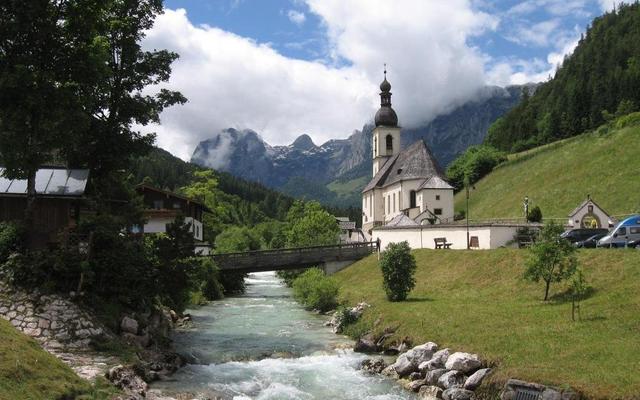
[[347, 225]]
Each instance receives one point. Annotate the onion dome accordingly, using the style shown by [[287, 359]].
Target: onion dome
[[385, 116]]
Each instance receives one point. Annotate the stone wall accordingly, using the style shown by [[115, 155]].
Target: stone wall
[[56, 322]]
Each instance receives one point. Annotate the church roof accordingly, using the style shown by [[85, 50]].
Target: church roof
[[401, 220], [414, 162], [583, 204]]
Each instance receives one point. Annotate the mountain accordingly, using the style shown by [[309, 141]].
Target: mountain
[[336, 171], [599, 81]]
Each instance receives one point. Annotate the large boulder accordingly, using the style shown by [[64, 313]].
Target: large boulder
[[475, 380], [457, 394], [437, 361], [390, 372], [451, 379], [366, 344], [432, 376], [430, 393], [129, 325], [463, 362], [125, 378], [409, 361], [414, 386]]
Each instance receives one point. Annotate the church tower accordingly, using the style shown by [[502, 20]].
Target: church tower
[[386, 135]]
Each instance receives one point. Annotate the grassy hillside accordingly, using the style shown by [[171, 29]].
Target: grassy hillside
[[558, 177], [27, 372], [477, 301]]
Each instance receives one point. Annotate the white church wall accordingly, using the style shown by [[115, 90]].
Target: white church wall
[[438, 198], [392, 194], [489, 237]]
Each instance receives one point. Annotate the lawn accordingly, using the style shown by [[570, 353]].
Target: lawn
[[27, 372], [559, 176], [476, 301]]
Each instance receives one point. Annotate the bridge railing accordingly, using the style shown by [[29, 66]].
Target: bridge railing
[[355, 245]]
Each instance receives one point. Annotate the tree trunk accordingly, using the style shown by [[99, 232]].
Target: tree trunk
[[29, 211], [546, 290]]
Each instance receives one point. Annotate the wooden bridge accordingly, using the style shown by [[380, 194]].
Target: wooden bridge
[[331, 258]]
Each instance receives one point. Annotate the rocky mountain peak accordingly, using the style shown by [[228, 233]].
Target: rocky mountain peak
[[303, 142]]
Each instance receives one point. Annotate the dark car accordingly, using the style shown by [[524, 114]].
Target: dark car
[[580, 234], [634, 244], [591, 242]]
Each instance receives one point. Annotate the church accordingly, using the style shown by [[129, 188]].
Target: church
[[408, 186]]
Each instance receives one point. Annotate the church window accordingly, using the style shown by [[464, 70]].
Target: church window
[[394, 202], [375, 146], [437, 197], [412, 199], [389, 142], [437, 211]]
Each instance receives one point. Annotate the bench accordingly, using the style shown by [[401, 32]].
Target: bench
[[441, 243]]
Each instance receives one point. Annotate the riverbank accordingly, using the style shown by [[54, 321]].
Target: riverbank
[[476, 301]]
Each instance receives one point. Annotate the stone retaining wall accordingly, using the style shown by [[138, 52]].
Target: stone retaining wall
[[54, 321]]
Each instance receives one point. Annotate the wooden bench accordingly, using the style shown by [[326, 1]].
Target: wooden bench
[[441, 243]]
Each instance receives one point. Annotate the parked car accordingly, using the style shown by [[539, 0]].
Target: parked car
[[634, 244], [623, 233], [591, 242], [580, 234]]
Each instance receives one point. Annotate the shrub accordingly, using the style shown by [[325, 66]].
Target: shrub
[[398, 268], [535, 215], [315, 291], [474, 164], [632, 119], [10, 240]]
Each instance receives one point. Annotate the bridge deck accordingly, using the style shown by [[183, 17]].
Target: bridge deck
[[292, 258]]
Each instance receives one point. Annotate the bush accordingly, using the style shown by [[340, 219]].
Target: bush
[[398, 268], [632, 119], [474, 164], [315, 291], [10, 240], [535, 215]]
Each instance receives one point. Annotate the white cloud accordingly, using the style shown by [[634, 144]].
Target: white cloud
[[296, 17], [232, 81], [540, 34]]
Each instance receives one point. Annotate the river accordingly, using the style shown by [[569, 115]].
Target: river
[[263, 345]]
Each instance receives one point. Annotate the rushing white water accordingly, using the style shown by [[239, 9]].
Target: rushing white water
[[263, 345]]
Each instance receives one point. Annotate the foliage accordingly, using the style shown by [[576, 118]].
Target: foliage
[[601, 77], [310, 225], [235, 239], [398, 269], [473, 164], [477, 300], [535, 215], [10, 239], [315, 291], [632, 119], [551, 259]]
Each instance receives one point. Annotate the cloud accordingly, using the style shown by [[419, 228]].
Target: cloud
[[233, 81], [296, 17], [539, 34]]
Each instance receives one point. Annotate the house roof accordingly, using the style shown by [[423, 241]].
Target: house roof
[[144, 186], [583, 204], [415, 162], [50, 182]]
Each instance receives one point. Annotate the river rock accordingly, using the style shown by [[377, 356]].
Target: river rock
[[457, 394], [391, 372], [375, 365], [437, 361], [129, 325], [430, 393], [141, 341], [475, 380], [432, 376], [126, 379], [414, 376], [415, 386], [451, 379], [463, 362], [366, 344], [409, 361]]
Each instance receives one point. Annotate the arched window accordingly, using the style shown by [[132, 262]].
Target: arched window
[[389, 142], [412, 199], [375, 146]]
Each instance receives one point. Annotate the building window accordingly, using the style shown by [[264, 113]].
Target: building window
[[437, 211], [389, 142], [412, 199], [394, 202], [437, 197], [388, 204], [158, 204], [375, 146]]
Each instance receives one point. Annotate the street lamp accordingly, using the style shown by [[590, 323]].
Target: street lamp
[[466, 186]]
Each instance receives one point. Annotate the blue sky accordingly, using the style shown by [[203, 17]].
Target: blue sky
[[288, 67]]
